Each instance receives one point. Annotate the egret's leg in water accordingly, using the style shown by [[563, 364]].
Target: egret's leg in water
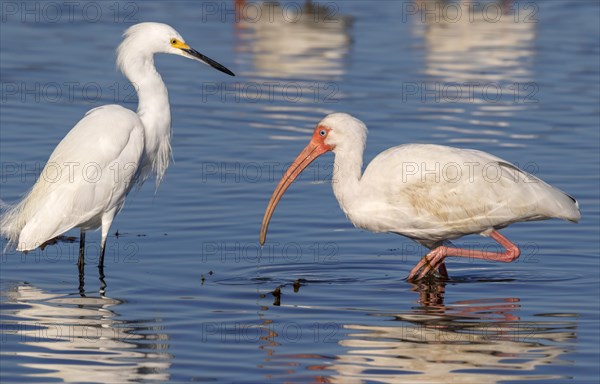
[[101, 261], [80, 261]]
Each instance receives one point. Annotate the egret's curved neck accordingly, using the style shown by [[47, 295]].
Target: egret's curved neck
[[347, 171], [154, 111]]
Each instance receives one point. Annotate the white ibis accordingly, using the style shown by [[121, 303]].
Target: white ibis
[[93, 168], [429, 193]]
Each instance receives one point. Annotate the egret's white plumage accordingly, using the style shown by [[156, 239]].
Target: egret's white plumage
[[85, 181], [91, 171], [430, 193]]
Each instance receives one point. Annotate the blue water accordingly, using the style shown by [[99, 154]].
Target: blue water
[[188, 295]]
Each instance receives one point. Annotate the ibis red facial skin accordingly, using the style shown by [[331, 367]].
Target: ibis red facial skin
[[398, 193], [315, 148]]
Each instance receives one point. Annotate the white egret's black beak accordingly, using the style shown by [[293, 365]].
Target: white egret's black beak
[[207, 60]]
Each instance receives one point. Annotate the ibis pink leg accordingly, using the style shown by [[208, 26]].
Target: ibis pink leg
[[436, 257]]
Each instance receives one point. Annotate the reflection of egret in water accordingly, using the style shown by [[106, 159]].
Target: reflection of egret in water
[[479, 58], [470, 341], [294, 41], [69, 337]]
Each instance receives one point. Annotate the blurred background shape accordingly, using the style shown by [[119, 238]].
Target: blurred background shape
[[300, 40]]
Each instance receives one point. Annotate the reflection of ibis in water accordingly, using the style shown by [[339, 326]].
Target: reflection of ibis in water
[[458, 343]]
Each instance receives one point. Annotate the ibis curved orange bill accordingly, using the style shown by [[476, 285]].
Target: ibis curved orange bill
[[315, 148]]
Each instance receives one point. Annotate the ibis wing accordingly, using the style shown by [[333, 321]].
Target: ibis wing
[[445, 192]]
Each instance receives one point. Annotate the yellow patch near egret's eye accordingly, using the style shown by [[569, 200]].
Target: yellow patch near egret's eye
[[175, 43]]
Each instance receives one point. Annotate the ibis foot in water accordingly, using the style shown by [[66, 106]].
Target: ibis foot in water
[[435, 258]]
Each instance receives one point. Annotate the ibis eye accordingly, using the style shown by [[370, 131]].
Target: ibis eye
[[323, 132]]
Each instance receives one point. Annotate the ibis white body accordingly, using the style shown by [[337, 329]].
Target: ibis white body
[[430, 193]]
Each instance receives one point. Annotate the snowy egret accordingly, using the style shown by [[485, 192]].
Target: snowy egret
[[429, 193], [93, 168]]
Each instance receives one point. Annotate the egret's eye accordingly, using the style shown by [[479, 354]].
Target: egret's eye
[[173, 41], [323, 132]]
